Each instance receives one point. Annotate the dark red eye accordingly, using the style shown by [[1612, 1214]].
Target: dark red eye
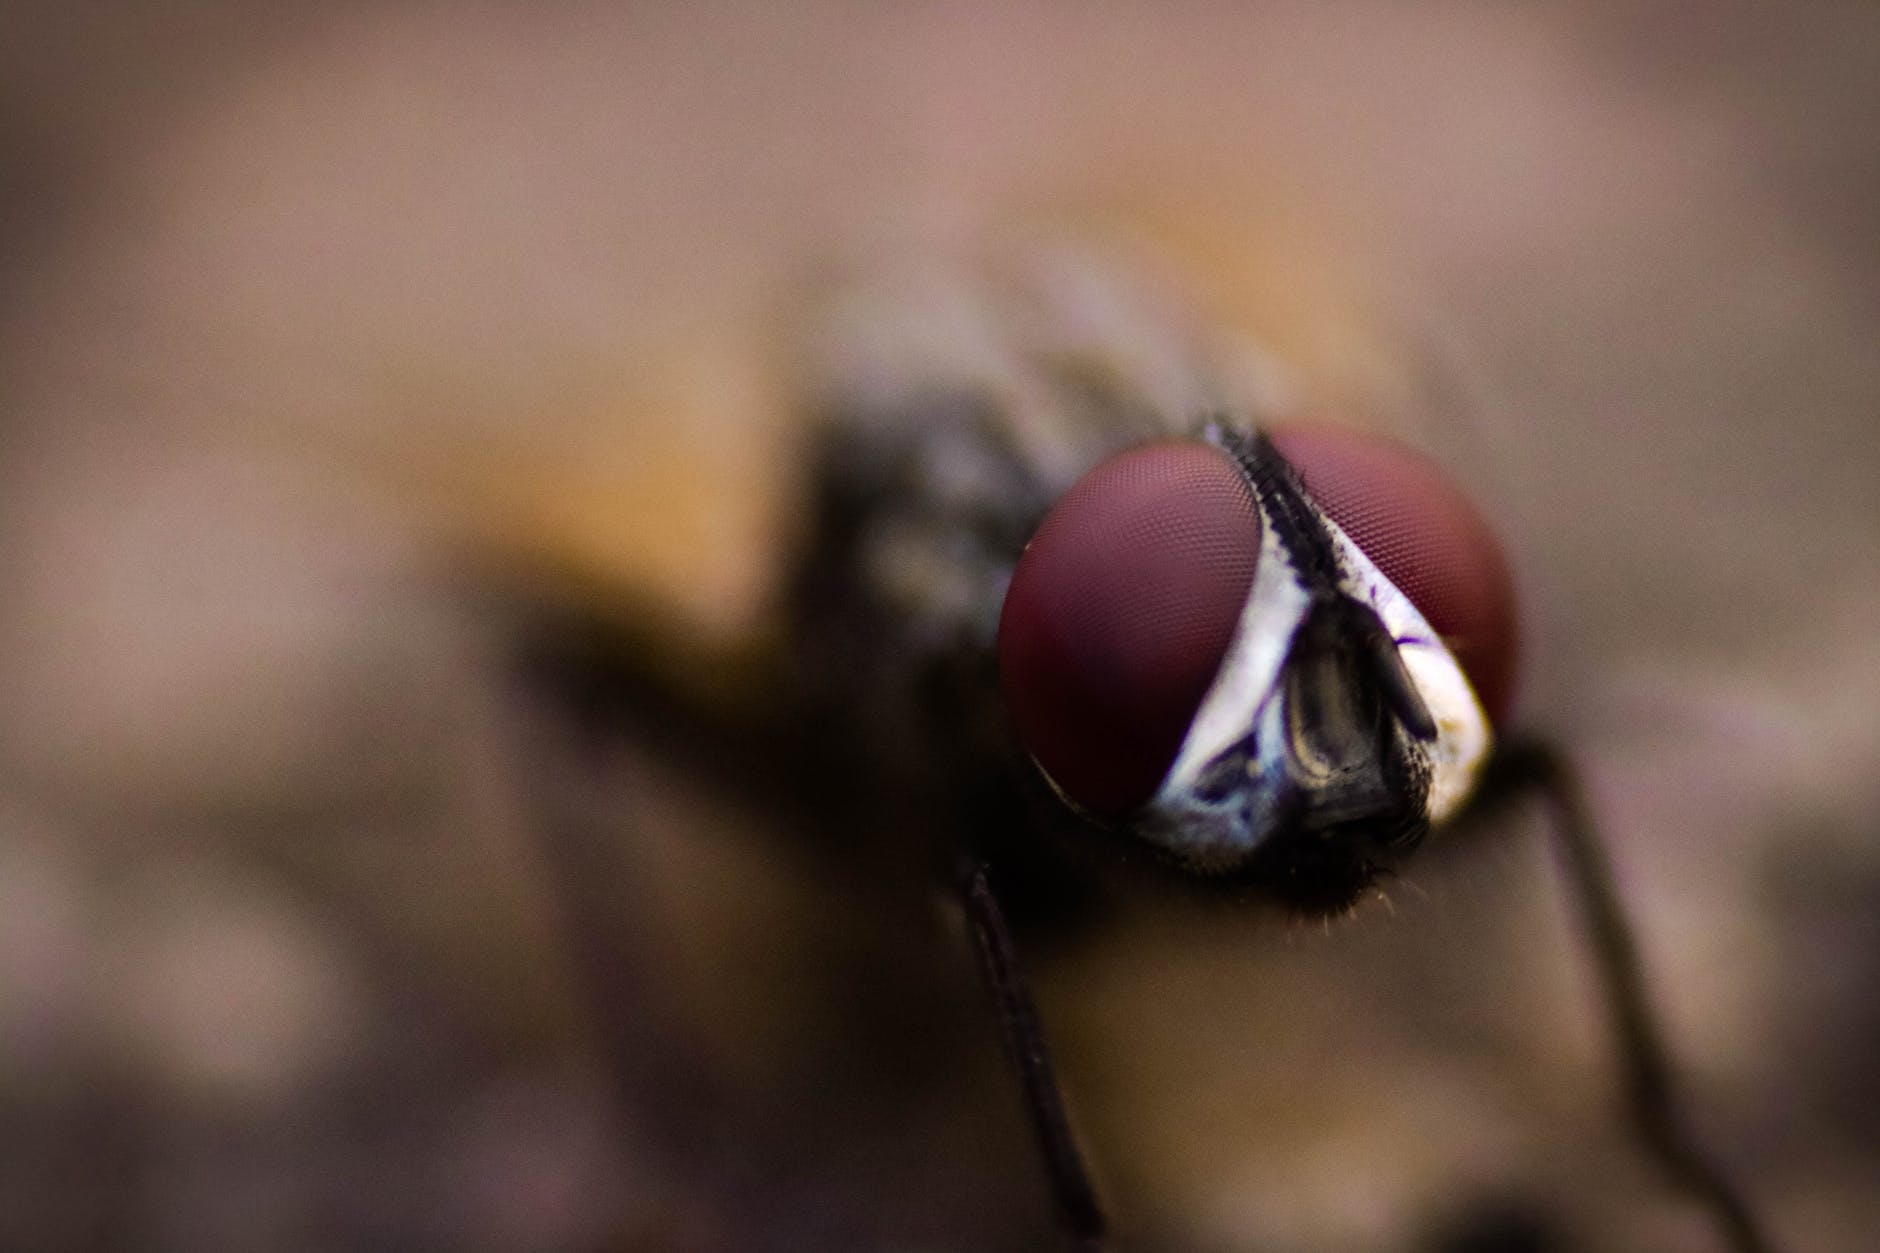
[[1426, 538], [1119, 614]]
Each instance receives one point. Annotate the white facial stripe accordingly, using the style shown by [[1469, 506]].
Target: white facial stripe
[[1276, 604], [1245, 693], [1463, 737]]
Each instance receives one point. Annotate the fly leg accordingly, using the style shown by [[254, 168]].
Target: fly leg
[[1076, 1198], [1523, 766]]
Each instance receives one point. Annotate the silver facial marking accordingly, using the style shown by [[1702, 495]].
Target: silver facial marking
[[1338, 713]]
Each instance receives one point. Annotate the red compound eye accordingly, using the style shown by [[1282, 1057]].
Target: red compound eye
[[1119, 614], [1426, 538]]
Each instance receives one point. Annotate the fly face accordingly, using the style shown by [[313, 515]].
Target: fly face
[[1233, 648], [1194, 650]]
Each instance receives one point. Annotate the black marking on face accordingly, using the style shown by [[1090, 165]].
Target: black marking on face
[[1295, 520]]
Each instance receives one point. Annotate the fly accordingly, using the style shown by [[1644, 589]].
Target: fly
[[1071, 588]]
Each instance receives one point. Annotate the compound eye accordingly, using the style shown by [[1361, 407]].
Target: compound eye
[[1426, 538], [1119, 614]]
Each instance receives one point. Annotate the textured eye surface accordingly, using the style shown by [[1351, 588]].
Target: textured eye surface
[[1119, 614], [1426, 537]]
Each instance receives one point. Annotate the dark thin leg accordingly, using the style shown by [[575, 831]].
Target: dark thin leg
[[1650, 1087], [1024, 1041]]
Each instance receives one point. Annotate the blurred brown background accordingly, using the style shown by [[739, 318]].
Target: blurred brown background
[[298, 302]]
